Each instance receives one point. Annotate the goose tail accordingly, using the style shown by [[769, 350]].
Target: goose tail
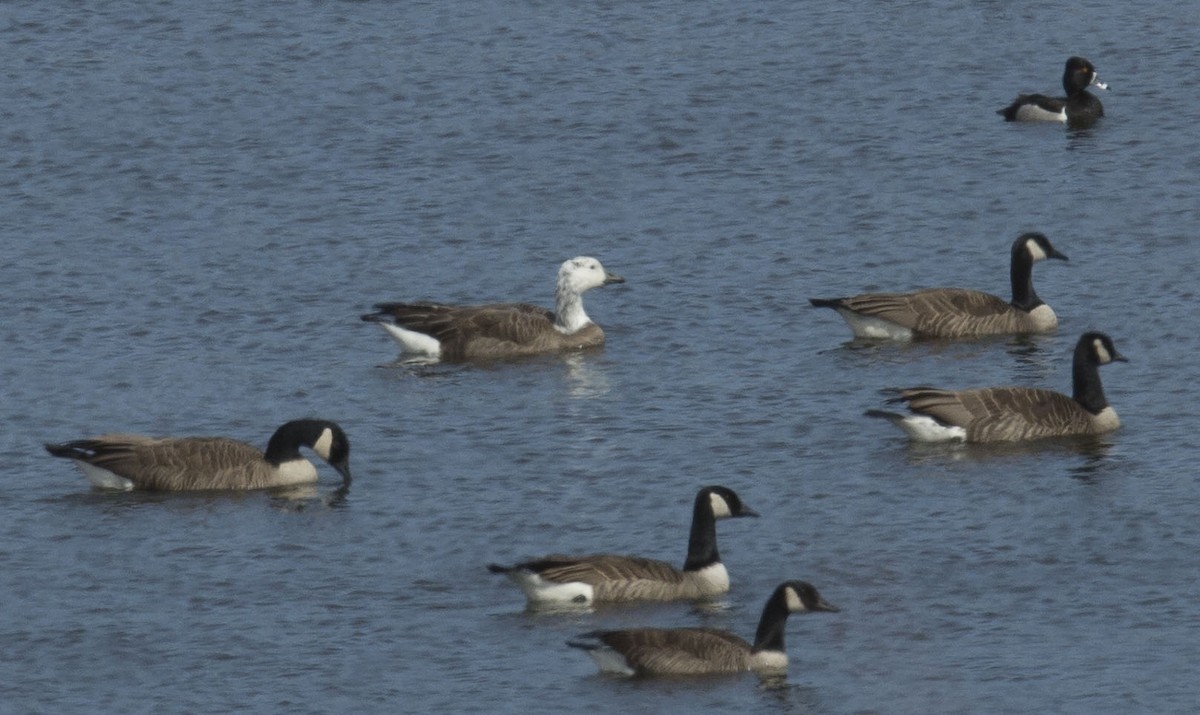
[[70, 450]]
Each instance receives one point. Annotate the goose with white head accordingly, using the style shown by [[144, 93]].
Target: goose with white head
[[704, 651], [432, 331], [955, 312], [1014, 414], [128, 462], [580, 581]]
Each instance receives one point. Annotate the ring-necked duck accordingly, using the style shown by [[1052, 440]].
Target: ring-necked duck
[[1079, 107]]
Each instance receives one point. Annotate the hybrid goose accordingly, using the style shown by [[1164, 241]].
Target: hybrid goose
[[703, 651], [126, 462], [428, 331], [955, 312], [583, 580], [1078, 108], [1010, 414]]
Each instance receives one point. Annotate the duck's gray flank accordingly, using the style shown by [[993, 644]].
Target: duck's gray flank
[[1008, 414], [701, 651], [472, 332], [123, 461], [956, 312], [591, 578]]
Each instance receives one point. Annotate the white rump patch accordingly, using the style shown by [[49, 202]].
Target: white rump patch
[[1034, 113], [865, 326], [922, 428], [610, 661], [323, 444], [540, 591], [103, 478], [414, 342]]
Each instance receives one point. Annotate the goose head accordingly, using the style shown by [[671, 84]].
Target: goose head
[[1099, 348], [326, 439], [1037, 247], [724, 502], [584, 273], [802, 597]]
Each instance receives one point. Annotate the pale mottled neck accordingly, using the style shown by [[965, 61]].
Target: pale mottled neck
[[569, 316]]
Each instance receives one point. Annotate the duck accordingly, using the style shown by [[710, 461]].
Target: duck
[[704, 651], [948, 313], [432, 332], [1078, 108], [175, 464], [580, 581], [1014, 414]]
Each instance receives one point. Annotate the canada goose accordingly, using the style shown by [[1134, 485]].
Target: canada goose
[[1078, 108], [1009, 414], [122, 461], [583, 580], [955, 312], [699, 651], [432, 332]]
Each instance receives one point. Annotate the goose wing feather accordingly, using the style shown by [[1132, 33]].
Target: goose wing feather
[[937, 312], [680, 651], [599, 569], [510, 321], [475, 329], [171, 463], [1001, 413]]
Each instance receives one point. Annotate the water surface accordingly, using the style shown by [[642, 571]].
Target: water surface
[[199, 203]]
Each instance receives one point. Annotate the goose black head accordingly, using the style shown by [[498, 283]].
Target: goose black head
[[325, 438], [724, 502]]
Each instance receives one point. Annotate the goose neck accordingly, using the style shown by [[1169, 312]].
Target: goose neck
[[771, 625], [1085, 376], [1021, 275], [702, 542], [569, 315]]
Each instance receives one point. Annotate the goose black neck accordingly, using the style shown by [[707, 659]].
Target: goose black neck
[[772, 624], [1085, 378], [285, 444], [702, 543], [1021, 274]]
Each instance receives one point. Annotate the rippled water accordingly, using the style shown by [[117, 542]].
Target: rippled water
[[198, 203]]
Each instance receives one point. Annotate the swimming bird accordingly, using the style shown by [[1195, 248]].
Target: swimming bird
[[1010, 414], [433, 332], [583, 580], [704, 651], [1078, 108], [126, 462], [955, 312]]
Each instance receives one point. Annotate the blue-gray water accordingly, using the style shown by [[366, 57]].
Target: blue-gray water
[[198, 203]]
